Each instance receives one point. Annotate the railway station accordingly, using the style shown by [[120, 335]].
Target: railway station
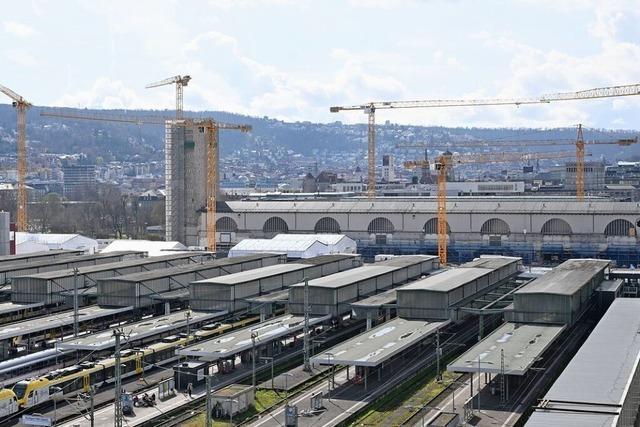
[[48, 286], [229, 292], [600, 386], [142, 332], [138, 289], [371, 350], [32, 334]]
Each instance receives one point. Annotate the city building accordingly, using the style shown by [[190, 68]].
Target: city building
[[79, 181], [538, 229], [594, 173], [388, 173], [186, 183]]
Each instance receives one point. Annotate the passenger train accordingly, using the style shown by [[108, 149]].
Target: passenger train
[[79, 378]]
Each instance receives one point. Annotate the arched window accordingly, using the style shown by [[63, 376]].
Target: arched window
[[327, 225], [431, 227], [275, 224], [380, 226], [556, 227], [495, 226], [620, 227], [226, 225]]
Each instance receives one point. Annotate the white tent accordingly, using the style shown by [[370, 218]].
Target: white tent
[[36, 242], [293, 249], [152, 247], [297, 245], [336, 243]]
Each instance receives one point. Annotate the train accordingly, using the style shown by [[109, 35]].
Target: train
[[72, 380]]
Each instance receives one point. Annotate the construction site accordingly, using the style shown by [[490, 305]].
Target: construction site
[[358, 310]]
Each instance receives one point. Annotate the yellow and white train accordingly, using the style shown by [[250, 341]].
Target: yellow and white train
[[79, 378]]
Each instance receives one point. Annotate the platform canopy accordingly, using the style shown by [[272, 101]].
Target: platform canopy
[[379, 344], [234, 342], [522, 344]]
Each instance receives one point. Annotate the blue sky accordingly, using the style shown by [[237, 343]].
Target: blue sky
[[293, 59]]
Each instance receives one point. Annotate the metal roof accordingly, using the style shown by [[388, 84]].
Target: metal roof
[[188, 268], [175, 295], [56, 274], [12, 307], [56, 320], [235, 342], [377, 345], [603, 368], [610, 285], [327, 239], [326, 259], [522, 344], [278, 296], [567, 278], [406, 260], [377, 301], [570, 419], [624, 273], [349, 277], [255, 274], [62, 261], [430, 204], [491, 262], [448, 280], [104, 340], [6, 259]]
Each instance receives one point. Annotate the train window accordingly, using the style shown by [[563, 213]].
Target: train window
[[19, 389]]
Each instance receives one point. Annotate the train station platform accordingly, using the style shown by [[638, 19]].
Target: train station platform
[[520, 344], [10, 308], [137, 331], [228, 345], [376, 346]]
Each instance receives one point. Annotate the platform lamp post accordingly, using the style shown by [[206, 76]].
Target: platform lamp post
[[270, 360], [330, 376], [75, 303], [254, 336], [307, 312], [286, 386], [188, 317]]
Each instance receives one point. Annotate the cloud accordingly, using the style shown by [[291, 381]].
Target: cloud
[[18, 29], [22, 58], [229, 4], [104, 93]]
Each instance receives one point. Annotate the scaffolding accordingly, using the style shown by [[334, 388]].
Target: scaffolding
[[537, 253]]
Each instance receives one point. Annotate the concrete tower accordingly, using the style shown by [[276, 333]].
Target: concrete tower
[[186, 178]]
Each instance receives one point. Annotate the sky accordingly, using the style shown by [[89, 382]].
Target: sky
[[293, 59]]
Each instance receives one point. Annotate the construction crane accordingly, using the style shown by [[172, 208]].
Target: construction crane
[[21, 105], [180, 82], [371, 107], [213, 127], [447, 160], [579, 142]]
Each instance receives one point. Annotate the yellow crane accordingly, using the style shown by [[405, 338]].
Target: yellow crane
[[180, 82], [579, 142], [213, 127], [371, 107], [21, 105], [447, 160]]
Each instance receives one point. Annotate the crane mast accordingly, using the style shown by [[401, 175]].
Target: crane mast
[[580, 165], [371, 107], [180, 82], [21, 105], [580, 144], [447, 160]]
